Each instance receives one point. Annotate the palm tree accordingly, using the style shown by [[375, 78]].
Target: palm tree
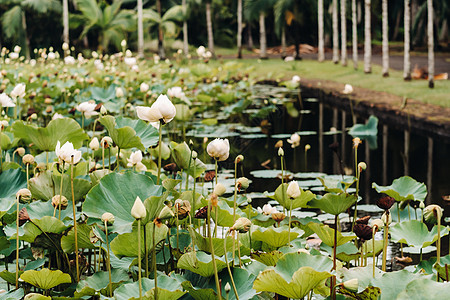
[[407, 42], [354, 36], [343, 33], [321, 55], [239, 28], [185, 29], [430, 45], [257, 9], [209, 27], [367, 38], [66, 21], [161, 51], [385, 46], [335, 32], [140, 26], [14, 22]]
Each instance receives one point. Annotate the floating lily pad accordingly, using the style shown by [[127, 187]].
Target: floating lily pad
[[403, 189], [272, 174], [302, 175], [334, 204], [45, 279], [415, 233]]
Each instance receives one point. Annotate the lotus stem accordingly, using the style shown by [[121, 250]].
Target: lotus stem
[[239, 250], [386, 241], [215, 208], [139, 259], [74, 220], [103, 156], [178, 225], [216, 275], [155, 268], [28, 175], [82, 121], [438, 242], [109, 158], [159, 154], [17, 242], [333, 279], [358, 174], [289, 224], [108, 265], [145, 252], [60, 191], [228, 266], [374, 230], [398, 216], [234, 207]]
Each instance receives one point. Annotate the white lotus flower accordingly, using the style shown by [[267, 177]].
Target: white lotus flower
[[5, 101], [294, 140], [69, 60], [219, 189], [144, 87], [348, 89], [138, 210], [87, 109], [66, 152], [106, 142], [94, 144], [18, 91], [65, 46], [219, 149], [123, 43], [267, 209], [295, 79], [130, 61], [136, 160], [293, 190], [14, 55], [17, 49], [51, 55], [162, 110], [119, 92], [176, 92], [201, 51]]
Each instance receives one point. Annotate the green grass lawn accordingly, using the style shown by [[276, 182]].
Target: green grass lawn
[[394, 84]]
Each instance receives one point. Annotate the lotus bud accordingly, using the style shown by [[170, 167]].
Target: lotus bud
[[386, 218], [432, 213], [239, 158], [242, 225], [123, 43], [56, 200], [351, 285], [65, 46], [242, 183], [34, 116], [227, 288], [165, 213], [194, 155], [219, 189], [385, 202], [20, 151], [28, 159], [362, 166], [219, 149], [307, 147], [108, 218], [205, 140], [378, 223], [293, 190], [24, 194], [106, 142], [94, 144], [278, 216], [280, 152], [138, 210], [103, 110], [421, 205], [4, 124], [356, 142]]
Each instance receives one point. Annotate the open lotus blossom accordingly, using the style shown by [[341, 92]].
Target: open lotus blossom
[[295, 79], [219, 149], [162, 110], [66, 152], [14, 55], [293, 190], [294, 140], [348, 89], [144, 87], [5, 101], [87, 109], [135, 160], [176, 92], [201, 51], [267, 210], [18, 91]]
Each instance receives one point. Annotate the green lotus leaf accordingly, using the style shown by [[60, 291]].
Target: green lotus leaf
[[126, 244], [34, 264], [68, 241], [39, 209], [326, 234], [200, 263], [5, 141], [36, 296], [225, 214], [366, 131], [45, 279], [443, 271], [182, 156], [13, 294], [199, 293], [203, 244], [183, 112], [48, 184], [97, 175], [103, 94], [45, 139], [275, 237], [301, 201], [116, 193], [10, 182], [165, 151], [393, 283], [130, 133], [364, 275], [428, 266], [168, 288], [415, 233], [370, 293], [403, 189], [334, 203], [99, 283], [46, 224], [296, 286], [9, 277], [337, 184], [425, 288], [267, 258], [170, 184], [4, 243]]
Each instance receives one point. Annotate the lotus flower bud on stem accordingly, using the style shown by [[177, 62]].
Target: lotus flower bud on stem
[[351, 285], [378, 223], [293, 190], [242, 183], [28, 159], [242, 225], [219, 189], [57, 199], [108, 218], [362, 166], [94, 144], [239, 158], [23, 194], [307, 147], [227, 288], [432, 213], [280, 152], [356, 142], [20, 151], [138, 210]]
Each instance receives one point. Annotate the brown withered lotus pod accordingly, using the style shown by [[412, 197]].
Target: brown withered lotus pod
[[202, 213], [23, 216], [364, 220], [363, 232], [385, 202], [170, 167], [97, 108], [210, 175]]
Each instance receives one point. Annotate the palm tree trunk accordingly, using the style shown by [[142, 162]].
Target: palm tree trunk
[[262, 36], [239, 29], [407, 42], [343, 33], [354, 36], [335, 33], [367, 38], [321, 54], [209, 27], [249, 36], [185, 29], [283, 42], [430, 45], [27, 39], [385, 46], [162, 53], [140, 26], [66, 22]]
